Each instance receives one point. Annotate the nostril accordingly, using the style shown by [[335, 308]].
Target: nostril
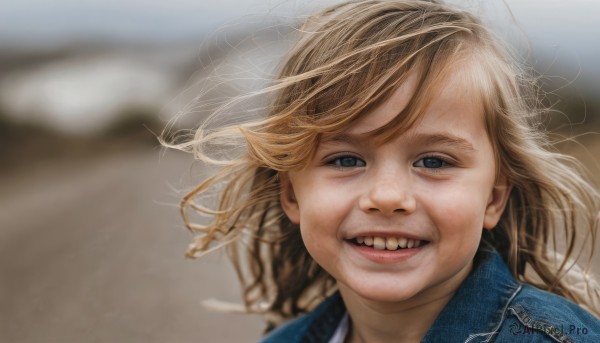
[[396, 210], [387, 201]]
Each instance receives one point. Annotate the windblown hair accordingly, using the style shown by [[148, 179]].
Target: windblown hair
[[349, 59]]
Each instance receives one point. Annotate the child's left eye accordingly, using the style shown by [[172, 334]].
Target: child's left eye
[[431, 162], [347, 162]]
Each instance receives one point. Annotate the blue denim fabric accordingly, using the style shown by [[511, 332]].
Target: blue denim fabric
[[490, 306]]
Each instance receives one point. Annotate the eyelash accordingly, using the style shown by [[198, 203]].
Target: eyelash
[[333, 161], [446, 163], [336, 162]]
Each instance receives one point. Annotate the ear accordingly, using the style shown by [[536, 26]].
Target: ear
[[496, 203], [287, 198]]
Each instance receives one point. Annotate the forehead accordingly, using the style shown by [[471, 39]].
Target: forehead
[[450, 103]]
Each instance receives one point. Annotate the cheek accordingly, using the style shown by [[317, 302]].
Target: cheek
[[458, 211], [322, 202], [320, 215], [459, 224], [319, 234], [312, 240], [323, 211]]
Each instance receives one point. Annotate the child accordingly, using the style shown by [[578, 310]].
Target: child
[[399, 190]]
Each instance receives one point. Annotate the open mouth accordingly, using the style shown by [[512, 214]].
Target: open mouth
[[387, 243]]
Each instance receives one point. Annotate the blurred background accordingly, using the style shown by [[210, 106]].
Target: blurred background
[[91, 240]]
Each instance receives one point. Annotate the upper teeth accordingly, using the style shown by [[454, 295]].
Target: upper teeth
[[389, 243]]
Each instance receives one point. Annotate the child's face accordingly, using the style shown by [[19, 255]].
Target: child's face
[[434, 184]]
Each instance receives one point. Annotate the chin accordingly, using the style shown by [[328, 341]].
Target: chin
[[384, 294], [388, 297]]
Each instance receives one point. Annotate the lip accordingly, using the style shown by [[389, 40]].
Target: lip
[[385, 256]]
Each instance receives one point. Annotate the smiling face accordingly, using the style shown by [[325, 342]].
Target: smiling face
[[400, 220]]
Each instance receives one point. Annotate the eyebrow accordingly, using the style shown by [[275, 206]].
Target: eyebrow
[[445, 138]]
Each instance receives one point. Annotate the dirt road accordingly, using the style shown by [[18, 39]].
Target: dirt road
[[93, 252]]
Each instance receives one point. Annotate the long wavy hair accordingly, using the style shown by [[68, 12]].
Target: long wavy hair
[[348, 60]]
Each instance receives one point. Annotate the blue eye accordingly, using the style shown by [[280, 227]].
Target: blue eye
[[347, 162], [431, 163]]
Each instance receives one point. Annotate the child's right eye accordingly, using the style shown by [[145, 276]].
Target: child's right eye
[[346, 162]]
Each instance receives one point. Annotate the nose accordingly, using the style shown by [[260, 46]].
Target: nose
[[388, 195]]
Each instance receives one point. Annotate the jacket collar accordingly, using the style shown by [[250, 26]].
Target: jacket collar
[[475, 311], [478, 306]]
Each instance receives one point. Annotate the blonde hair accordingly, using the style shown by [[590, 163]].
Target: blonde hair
[[349, 59]]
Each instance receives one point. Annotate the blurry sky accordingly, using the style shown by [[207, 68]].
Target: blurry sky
[[568, 28], [46, 22], [564, 35], [570, 23]]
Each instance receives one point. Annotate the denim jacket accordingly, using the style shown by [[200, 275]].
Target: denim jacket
[[489, 306]]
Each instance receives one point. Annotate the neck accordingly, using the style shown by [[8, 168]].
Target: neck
[[404, 321], [374, 323]]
